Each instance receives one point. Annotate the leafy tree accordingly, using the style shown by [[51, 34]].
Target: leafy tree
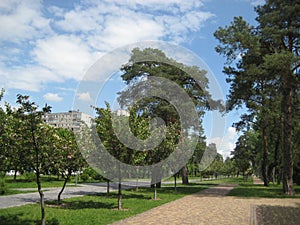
[[229, 168], [267, 58], [15, 131], [36, 141], [209, 158], [149, 63], [68, 158], [112, 144], [3, 154], [245, 152]]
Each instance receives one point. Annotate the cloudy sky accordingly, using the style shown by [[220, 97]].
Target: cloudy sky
[[47, 46]]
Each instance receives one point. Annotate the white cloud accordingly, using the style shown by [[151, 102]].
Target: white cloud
[[225, 144], [21, 20], [31, 78], [85, 96], [64, 42], [255, 2], [53, 97], [65, 55]]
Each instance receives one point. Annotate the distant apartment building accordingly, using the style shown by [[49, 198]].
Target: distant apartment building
[[122, 112], [72, 120]]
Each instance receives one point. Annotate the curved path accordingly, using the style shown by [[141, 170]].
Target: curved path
[[207, 207]]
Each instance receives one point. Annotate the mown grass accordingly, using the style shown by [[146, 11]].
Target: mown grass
[[46, 181], [260, 191], [15, 192], [230, 180], [96, 209]]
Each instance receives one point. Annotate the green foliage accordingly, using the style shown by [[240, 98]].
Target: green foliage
[[84, 176], [3, 187], [29, 176], [264, 77], [90, 174]]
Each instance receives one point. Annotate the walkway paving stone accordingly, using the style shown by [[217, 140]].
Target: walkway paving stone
[[208, 207]]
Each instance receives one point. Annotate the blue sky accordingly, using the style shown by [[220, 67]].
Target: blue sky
[[47, 46]]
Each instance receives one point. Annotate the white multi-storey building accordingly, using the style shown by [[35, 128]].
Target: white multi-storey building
[[72, 120]]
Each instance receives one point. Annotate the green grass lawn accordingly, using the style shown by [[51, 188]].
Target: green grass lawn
[[14, 192], [96, 209], [230, 180], [260, 191], [46, 181]]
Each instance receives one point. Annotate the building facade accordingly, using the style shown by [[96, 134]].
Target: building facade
[[72, 120]]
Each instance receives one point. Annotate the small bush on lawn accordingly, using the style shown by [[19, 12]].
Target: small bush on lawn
[[3, 187], [29, 176], [90, 174]]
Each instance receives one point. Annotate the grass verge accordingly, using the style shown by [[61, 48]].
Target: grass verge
[[14, 192], [96, 209], [260, 191]]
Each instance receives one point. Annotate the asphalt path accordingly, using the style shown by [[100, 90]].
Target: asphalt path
[[52, 193]]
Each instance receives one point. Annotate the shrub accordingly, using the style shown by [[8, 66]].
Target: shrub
[[3, 187], [29, 176], [91, 174], [84, 176]]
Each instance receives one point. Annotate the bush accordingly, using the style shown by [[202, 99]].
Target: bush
[[3, 187], [84, 176], [29, 176], [91, 174]]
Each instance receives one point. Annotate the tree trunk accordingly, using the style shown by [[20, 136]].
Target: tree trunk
[[137, 184], [287, 181], [119, 196], [15, 175], [107, 187], [264, 165], [61, 191], [175, 183], [42, 203], [155, 192], [184, 173]]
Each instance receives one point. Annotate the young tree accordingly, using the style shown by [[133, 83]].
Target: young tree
[[68, 158], [3, 154], [112, 144], [36, 139]]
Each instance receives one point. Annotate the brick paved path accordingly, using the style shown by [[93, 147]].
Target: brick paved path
[[207, 207]]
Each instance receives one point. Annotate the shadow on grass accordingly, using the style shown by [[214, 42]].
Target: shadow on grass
[[78, 204], [260, 191], [15, 220], [124, 195]]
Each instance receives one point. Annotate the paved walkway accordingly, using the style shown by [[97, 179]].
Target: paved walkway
[[208, 207]]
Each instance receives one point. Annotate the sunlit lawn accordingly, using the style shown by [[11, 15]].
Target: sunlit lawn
[[96, 209], [46, 181], [260, 191]]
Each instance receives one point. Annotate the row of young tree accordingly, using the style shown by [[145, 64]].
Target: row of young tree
[[263, 74], [29, 144]]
